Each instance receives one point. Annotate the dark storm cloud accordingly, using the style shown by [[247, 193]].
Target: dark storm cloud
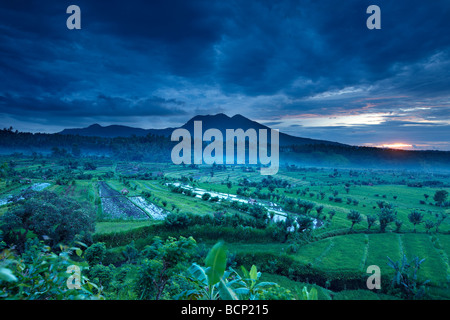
[[114, 107], [265, 59], [326, 45]]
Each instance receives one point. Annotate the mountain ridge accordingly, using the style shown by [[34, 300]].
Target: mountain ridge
[[219, 121]]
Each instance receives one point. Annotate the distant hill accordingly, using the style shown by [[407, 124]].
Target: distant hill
[[219, 121], [154, 145], [114, 131]]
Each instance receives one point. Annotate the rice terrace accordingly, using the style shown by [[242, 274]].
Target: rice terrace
[[305, 229]]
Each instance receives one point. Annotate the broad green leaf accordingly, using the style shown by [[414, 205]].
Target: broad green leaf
[[311, 295], [242, 291], [81, 244], [199, 273], [7, 275], [79, 252], [216, 262], [225, 292], [253, 273], [245, 273], [31, 235]]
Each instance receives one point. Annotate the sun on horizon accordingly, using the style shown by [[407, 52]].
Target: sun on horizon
[[397, 145]]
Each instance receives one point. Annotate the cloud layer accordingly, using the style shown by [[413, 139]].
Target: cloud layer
[[311, 68]]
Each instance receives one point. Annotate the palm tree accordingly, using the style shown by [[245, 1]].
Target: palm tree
[[386, 216], [371, 221], [319, 210], [440, 218], [355, 217], [428, 225], [415, 217]]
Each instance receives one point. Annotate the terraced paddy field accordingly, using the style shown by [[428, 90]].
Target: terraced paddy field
[[116, 206], [354, 253], [133, 199]]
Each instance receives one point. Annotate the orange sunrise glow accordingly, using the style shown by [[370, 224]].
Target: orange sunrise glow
[[396, 146]]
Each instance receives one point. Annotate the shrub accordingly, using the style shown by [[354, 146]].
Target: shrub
[[398, 225], [206, 196], [177, 220], [385, 217], [157, 271], [44, 213], [428, 225], [95, 253], [331, 213], [440, 196], [355, 217], [371, 219], [415, 217], [101, 275]]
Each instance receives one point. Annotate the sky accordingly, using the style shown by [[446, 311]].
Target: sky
[[309, 68]]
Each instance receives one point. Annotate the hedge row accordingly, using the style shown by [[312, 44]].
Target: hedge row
[[144, 235]]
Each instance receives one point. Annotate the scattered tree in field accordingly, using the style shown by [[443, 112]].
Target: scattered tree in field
[[331, 213], [415, 217], [440, 196], [428, 225], [398, 225], [371, 219], [229, 185], [304, 223], [386, 216], [260, 213], [146, 194], [383, 204], [426, 196], [440, 218], [284, 227], [206, 196], [319, 210], [355, 217]]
